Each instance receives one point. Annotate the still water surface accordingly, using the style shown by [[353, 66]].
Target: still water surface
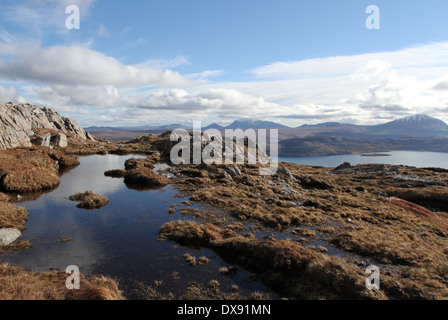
[[409, 158], [119, 240]]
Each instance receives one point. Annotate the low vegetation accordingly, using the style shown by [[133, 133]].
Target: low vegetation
[[307, 232], [89, 200], [348, 209], [20, 284]]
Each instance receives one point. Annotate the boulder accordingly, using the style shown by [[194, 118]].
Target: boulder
[[344, 166], [234, 171], [286, 172], [43, 140], [8, 236], [227, 176], [60, 140]]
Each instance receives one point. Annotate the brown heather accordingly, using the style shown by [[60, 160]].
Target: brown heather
[[394, 215], [20, 284]]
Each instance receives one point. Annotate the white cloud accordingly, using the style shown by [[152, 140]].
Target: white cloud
[[395, 92], [434, 54], [363, 88], [220, 102], [177, 105], [65, 96], [10, 94], [441, 84], [77, 65]]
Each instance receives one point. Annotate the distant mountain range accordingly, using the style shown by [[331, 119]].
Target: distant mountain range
[[414, 133], [414, 126], [419, 132], [419, 125], [167, 127], [248, 124], [238, 124]]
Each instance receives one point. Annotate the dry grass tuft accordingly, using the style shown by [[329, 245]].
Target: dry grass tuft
[[19, 284], [190, 233], [89, 200], [12, 216], [117, 173], [145, 177]]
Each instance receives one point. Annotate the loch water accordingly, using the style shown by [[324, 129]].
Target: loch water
[[119, 240]]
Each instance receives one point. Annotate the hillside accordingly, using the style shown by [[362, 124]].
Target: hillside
[[330, 145], [20, 124]]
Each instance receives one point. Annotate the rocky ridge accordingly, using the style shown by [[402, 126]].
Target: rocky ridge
[[22, 125]]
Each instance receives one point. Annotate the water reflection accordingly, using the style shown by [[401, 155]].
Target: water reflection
[[119, 240]]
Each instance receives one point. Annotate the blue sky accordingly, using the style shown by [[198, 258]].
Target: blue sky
[[158, 62]]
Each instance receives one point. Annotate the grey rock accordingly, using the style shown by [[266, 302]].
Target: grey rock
[[18, 122], [60, 140], [8, 236], [426, 181], [286, 172], [231, 145], [285, 188], [234, 171], [43, 140], [344, 166], [379, 167], [227, 176]]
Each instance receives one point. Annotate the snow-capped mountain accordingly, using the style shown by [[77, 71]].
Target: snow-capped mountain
[[420, 125]]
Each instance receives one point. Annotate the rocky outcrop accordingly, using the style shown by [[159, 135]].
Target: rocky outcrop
[[19, 123], [213, 148]]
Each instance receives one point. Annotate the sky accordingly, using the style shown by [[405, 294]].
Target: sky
[[159, 62]]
